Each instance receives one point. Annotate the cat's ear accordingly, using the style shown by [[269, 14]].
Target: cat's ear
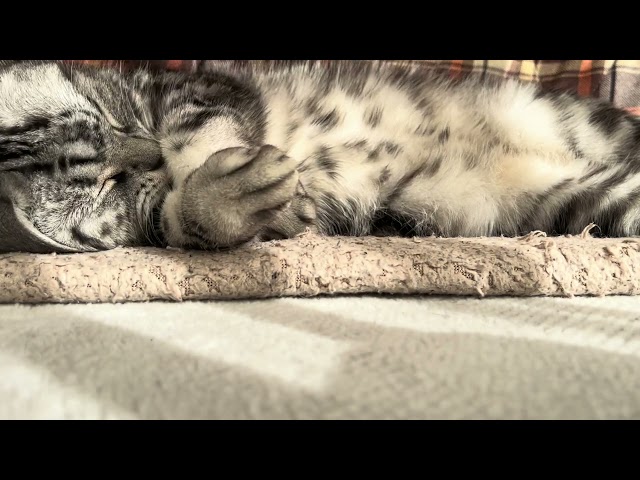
[[17, 233]]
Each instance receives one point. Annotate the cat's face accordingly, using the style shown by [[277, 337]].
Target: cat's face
[[78, 157]]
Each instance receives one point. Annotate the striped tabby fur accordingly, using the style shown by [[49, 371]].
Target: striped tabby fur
[[94, 158]]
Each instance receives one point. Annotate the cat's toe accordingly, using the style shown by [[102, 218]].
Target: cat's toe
[[298, 217], [269, 168], [237, 193]]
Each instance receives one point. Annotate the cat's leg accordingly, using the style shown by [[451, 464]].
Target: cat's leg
[[398, 189], [422, 203], [234, 195], [227, 186], [240, 194]]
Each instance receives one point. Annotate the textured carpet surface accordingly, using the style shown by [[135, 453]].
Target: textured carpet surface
[[311, 265], [343, 357]]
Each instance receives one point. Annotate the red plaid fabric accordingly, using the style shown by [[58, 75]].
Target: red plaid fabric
[[617, 81]]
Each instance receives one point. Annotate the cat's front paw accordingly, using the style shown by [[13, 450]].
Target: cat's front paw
[[236, 194]]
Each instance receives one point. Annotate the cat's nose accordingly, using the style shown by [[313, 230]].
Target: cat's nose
[[138, 154]]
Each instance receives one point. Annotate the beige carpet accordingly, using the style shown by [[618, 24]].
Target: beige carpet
[[343, 357], [311, 265]]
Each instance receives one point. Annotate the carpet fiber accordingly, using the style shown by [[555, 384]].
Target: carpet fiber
[[312, 265], [343, 357]]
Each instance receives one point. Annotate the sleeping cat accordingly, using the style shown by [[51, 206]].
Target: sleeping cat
[[92, 159]]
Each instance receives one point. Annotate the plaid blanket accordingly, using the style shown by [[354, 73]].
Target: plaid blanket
[[615, 80]]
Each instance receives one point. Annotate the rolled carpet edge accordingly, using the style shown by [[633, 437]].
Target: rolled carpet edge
[[310, 265]]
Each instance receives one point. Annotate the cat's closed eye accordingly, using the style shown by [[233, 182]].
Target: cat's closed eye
[[121, 130], [119, 177], [111, 181]]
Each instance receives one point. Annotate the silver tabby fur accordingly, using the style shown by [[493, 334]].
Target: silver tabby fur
[[92, 159]]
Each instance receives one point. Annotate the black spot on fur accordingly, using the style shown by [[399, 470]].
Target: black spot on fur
[[177, 144], [357, 144], [433, 167], [427, 130], [425, 106], [508, 149], [291, 129], [606, 117], [384, 175], [375, 153], [491, 143], [312, 107], [392, 148], [373, 117], [471, 160], [412, 83], [304, 166], [444, 136], [327, 120], [326, 162], [105, 229]]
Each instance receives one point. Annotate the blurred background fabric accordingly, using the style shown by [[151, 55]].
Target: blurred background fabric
[[617, 81]]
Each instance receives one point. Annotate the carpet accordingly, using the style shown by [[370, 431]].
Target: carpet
[[310, 265], [345, 357]]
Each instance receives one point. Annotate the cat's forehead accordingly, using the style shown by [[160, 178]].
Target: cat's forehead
[[35, 90]]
